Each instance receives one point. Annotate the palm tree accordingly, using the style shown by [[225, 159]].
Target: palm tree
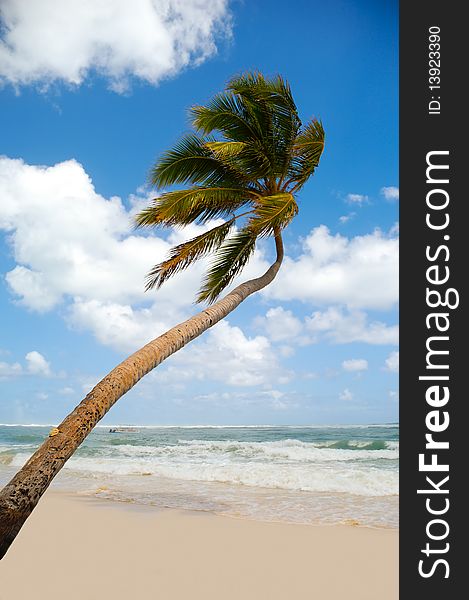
[[244, 162]]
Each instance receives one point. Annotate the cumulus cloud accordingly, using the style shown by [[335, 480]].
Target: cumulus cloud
[[357, 199], [76, 248], [120, 326], [227, 355], [340, 326], [55, 40], [355, 365], [67, 239], [336, 325], [280, 324], [360, 272], [390, 193], [392, 362], [37, 364], [10, 370]]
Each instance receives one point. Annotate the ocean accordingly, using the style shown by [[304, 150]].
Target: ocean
[[316, 474]]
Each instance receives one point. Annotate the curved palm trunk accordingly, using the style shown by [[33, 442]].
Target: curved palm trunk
[[19, 497]]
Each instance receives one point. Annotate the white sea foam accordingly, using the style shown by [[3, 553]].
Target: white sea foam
[[366, 467], [293, 450], [354, 480]]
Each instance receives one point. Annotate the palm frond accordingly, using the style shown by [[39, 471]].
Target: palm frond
[[271, 105], [247, 157], [230, 259], [224, 113], [275, 90], [192, 161], [273, 213], [227, 150], [307, 150], [183, 255], [200, 204], [234, 117]]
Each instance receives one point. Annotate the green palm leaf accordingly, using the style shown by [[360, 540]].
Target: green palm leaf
[[273, 213], [238, 121], [307, 151], [248, 156], [183, 255], [230, 259], [225, 113], [200, 204], [276, 89], [192, 161], [227, 150], [272, 105]]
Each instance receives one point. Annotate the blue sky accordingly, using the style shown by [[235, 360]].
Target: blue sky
[[89, 98]]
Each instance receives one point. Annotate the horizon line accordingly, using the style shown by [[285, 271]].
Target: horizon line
[[174, 426]]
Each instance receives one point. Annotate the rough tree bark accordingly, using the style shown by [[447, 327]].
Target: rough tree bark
[[19, 497]]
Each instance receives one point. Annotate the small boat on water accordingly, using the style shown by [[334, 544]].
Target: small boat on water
[[123, 430]]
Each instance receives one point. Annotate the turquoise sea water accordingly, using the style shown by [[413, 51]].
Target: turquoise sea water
[[295, 474]]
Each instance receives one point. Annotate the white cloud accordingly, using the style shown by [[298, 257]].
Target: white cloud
[[392, 362], [343, 327], [390, 193], [355, 365], [75, 249], [357, 199], [280, 324], [335, 325], [37, 364], [121, 326], [10, 370], [227, 355], [56, 40], [346, 395], [360, 272], [74, 246], [393, 395], [346, 218], [67, 239]]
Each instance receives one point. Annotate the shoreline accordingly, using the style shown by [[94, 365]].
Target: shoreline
[[268, 510], [98, 548], [310, 476], [132, 504]]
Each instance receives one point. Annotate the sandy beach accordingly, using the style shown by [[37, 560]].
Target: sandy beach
[[80, 548]]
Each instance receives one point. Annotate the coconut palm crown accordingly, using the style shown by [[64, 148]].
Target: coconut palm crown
[[248, 155]]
